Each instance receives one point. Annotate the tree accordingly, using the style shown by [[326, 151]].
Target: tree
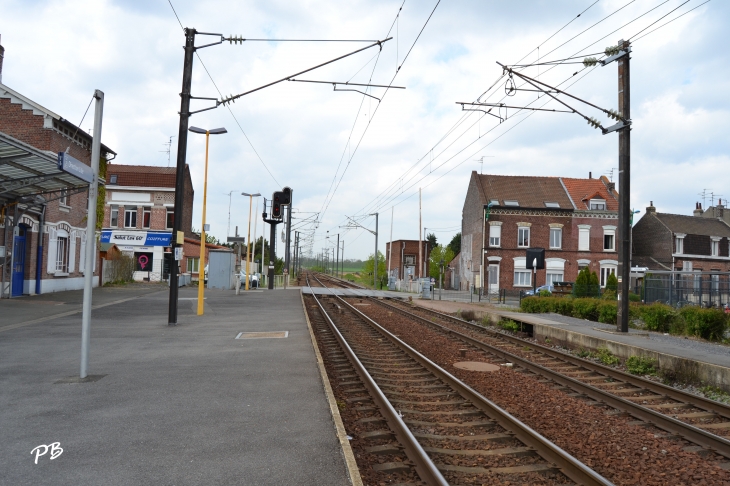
[[455, 243], [582, 281], [432, 242], [368, 265], [440, 252], [611, 282]]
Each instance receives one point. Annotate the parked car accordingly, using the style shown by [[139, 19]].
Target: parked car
[[253, 281], [549, 288]]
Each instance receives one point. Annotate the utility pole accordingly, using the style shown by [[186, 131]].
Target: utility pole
[[624, 178], [420, 242], [182, 146], [288, 230], [375, 262], [390, 248], [337, 267]]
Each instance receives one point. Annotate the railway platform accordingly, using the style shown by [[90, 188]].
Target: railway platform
[[355, 292], [691, 359], [193, 404]]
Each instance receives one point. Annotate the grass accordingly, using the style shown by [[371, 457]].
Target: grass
[[640, 365], [607, 357], [509, 325], [714, 393]]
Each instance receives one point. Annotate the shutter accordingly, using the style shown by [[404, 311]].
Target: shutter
[[71, 252], [495, 231], [52, 242], [583, 239], [82, 254]]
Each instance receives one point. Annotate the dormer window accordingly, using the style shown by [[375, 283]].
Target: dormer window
[[597, 205], [511, 203], [113, 179]]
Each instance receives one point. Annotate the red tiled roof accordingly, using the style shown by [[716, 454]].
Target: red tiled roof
[[582, 190], [141, 175]]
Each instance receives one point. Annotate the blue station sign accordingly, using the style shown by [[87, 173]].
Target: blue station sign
[[136, 238], [75, 167]]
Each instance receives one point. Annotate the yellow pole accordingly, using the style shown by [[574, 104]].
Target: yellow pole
[[248, 239], [201, 266]]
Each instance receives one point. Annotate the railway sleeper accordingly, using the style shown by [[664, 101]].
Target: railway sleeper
[[506, 451], [536, 468]]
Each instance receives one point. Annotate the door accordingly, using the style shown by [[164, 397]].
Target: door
[[493, 279], [19, 262]]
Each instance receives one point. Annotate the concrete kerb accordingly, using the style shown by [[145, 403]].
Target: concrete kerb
[[352, 469], [680, 368]]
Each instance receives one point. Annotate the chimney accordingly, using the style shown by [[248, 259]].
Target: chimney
[[611, 186], [698, 210], [719, 209], [650, 208], [2, 55], [590, 175]]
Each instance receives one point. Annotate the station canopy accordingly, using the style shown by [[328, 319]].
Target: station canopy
[[26, 171]]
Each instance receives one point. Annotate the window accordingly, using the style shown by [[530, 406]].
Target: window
[[146, 216], [553, 276], [170, 218], [597, 205], [686, 266], [679, 244], [62, 254], [113, 179], [556, 238], [584, 237], [494, 202], [63, 200], [511, 203], [523, 237], [608, 243], [193, 265], [551, 205], [130, 217], [605, 272], [715, 247], [583, 264], [114, 216], [495, 235], [523, 276], [554, 270]]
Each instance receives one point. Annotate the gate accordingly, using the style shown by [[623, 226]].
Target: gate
[[19, 262]]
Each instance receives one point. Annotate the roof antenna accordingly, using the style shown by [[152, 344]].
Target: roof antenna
[[168, 144]]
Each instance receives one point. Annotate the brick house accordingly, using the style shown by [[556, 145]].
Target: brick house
[[664, 241], [138, 216], [574, 220], [43, 222], [405, 262]]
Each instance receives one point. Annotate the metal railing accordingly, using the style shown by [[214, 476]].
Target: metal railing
[[678, 289]]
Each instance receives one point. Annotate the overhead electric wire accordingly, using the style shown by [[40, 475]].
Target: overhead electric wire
[[668, 22], [660, 18]]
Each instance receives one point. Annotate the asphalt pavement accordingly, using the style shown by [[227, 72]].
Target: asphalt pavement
[[182, 405]]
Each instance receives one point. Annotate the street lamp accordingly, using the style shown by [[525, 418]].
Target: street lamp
[[201, 288], [248, 238], [631, 239]]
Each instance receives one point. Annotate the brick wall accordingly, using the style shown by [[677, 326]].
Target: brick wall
[[471, 233], [652, 239], [411, 248]]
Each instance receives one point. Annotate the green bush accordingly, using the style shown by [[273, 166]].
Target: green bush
[[609, 295], [585, 309], [708, 324], [607, 312], [612, 283], [658, 317], [544, 293], [640, 365], [634, 297], [509, 325], [563, 306], [606, 357], [537, 305], [581, 283]]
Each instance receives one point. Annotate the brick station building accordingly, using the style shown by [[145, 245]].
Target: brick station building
[[574, 220], [405, 263], [42, 220]]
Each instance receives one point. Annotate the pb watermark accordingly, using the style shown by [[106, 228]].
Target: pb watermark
[[42, 450]]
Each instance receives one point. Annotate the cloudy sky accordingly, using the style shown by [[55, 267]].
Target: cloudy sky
[[376, 154]]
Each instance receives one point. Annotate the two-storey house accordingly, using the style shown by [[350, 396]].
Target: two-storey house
[[574, 220]]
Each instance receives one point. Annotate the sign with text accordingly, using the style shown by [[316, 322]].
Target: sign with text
[[75, 167], [136, 238]]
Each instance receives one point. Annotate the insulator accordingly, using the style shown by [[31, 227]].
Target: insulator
[[590, 61], [610, 51]]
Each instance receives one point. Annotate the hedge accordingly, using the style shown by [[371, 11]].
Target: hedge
[[709, 324]]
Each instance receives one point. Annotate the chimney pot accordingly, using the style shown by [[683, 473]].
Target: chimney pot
[[650, 208], [590, 175]]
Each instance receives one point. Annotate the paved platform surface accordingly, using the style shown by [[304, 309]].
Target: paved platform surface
[[355, 292], [177, 405], [701, 351]]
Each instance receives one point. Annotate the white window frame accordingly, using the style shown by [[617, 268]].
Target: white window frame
[[193, 265], [607, 267], [679, 243], [553, 244], [132, 216], [495, 234], [597, 204], [554, 270], [609, 231], [715, 246], [63, 200], [521, 229], [114, 216], [584, 229], [583, 263], [522, 275], [63, 245]]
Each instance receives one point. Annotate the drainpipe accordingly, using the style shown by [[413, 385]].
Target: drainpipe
[[39, 259]]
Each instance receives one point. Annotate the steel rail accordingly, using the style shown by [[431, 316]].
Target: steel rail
[[568, 465], [697, 401], [689, 432], [425, 468]]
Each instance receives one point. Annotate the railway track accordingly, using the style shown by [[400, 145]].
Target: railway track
[[446, 432], [698, 420]]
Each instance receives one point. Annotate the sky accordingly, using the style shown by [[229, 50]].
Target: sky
[[347, 155]]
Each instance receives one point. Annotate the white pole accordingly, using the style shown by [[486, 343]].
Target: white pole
[[91, 234], [390, 250], [255, 221], [420, 242]]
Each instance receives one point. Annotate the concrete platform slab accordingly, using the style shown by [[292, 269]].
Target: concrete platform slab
[[356, 292], [175, 405]]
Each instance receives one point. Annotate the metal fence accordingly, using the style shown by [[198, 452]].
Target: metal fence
[[705, 289]]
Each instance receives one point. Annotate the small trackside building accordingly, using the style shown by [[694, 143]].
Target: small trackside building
[[406, 262], [574, 220]]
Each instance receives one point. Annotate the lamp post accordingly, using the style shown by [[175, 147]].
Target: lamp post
[[248, 238], [201, 288], [631, 240], [441, 277]]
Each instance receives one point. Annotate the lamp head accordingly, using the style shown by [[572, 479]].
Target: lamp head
[[196, 130]]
